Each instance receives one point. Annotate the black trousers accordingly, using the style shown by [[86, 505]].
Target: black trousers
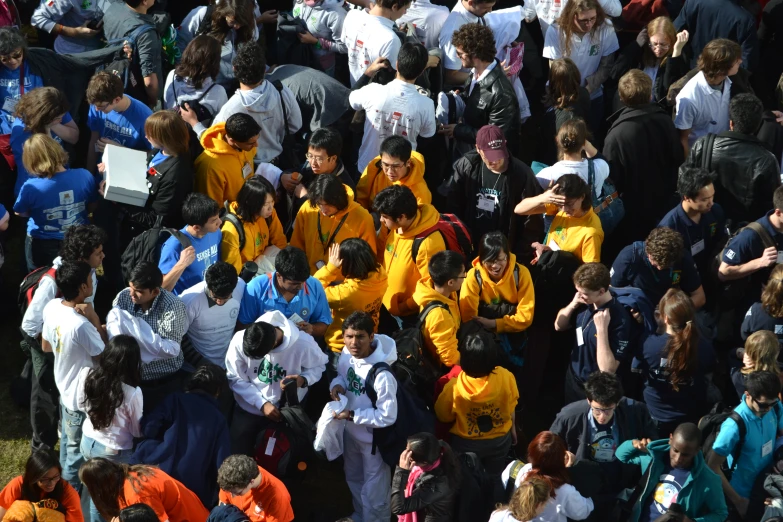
[[44, 401], [574, 390]]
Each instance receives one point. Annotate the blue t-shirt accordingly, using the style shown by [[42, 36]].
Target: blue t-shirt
[[747, 246], [18, 137], [126, 128], [56, 203], [207, 254], [666, 492], [632, 268], [261, 296], [584, 358], [10, 92], [758, 449], [604, 440], [700, 238]]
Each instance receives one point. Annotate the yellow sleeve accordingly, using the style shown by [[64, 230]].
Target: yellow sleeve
[[591, 248], [364, 186], [439, 329], [469, 296], [526, 300], [298, 236], [430, 246], [211, 182], [326, 275], [229, 247], [444, 406], [276, 234]]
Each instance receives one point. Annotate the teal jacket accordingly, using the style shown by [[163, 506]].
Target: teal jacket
[[702, 494]]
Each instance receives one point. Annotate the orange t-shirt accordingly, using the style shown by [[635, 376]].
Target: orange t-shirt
[[70, 500], [269, 502], [168, 497]]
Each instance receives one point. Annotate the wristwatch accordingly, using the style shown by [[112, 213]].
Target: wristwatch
[[350, 415]]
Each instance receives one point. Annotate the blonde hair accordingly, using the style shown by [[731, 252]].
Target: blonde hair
[[772, 295], [762, 348], [42, 156], [661, 25], [528, 498]]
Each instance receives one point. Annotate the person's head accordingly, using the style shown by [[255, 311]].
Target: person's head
[[13, 47], [105, 481], [447, 270], [491, 146], [358, 259], [395, 9], [720, 59], [259, 339], [238, 475], [678, 314], [577, 195], [358, 334], [144, 284], [84, 243], [479, 7], [777, 202], [664, 247], [494, 254], [208, 378], [105, 91], [120, 364], [136, 4], [564, 82], [328, 194], [684, 445], [249, 63], [74, 280], [138, 513], [696, 187], [571, 137], [291, 269], [478, 354], [40, 108], [745, 113], [772, 294], [42, 476], [256, 200], [324, 149], [202, 213], [603, 391], [547, 454], [395, 156], [635, 88], [475, 44], [242, 131], [426, 449], [661, 37], [200, 60], [761, 352], [221, 279], [762, 390], [592, 282], [412, 61], [397, 206], [530, 498], [236, 15], [579, 17], [42, 156], [167, 131]]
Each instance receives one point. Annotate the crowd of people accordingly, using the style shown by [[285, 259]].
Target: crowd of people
[[387, 232]]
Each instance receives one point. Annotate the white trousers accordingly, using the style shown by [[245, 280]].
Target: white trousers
[[369, 480]]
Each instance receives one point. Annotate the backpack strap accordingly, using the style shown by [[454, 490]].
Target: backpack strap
[[279, 86], [742, 433], [511, 484], [427, 309], [422, 236], [480, 281], [369, 382], [706, 153], [234, 220], [766, 239], [205, 25]]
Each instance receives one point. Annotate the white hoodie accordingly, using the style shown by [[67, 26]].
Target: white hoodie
[[263, 104], [351, 375], [179, 90], [257, 381]]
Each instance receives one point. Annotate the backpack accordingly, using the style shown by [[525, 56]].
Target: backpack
[[227, 215], [288, 159], [733, 291], [30, 284], [511, 484], [129, 69], [710, 424], [455, 235], [474, 500], [203, 113], [147, 245], [205, 25], [413, 417], [553, 283]]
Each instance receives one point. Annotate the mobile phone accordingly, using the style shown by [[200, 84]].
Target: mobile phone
[[288, 380]]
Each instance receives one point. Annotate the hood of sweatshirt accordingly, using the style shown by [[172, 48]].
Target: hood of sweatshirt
[[425, 293], [509, 273], [416, 175], [481, 390], [260, 99], [385, 351], [427, 217], [290, 331], [214, 143]]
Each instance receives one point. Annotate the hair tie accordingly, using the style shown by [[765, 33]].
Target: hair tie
[[688, 322]]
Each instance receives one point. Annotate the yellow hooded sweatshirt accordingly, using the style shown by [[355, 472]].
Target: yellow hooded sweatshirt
[[258, 236], [403, 271], [471, 403], [221, 169], [581, 236], [358, 223], [350, 296], [373, 180], [493, 293], [440, 325]]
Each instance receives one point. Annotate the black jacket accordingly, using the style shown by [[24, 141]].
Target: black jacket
[[669, 72], [748, 174], [432, 498], [644, 151], [492, 102], [172, 181]]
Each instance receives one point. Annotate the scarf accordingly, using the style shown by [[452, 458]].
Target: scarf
[[416, 472]]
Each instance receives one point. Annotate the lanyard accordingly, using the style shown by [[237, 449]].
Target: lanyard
[[21, 79], [329, 242]]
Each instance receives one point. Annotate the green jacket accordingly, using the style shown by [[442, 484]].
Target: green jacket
[[702, 494]]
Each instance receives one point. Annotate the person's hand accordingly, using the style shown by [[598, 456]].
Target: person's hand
[[406, 459], [679, 44], [102, 187], [343, 415], [337, 390], [769, 257], [778, 116], [102, 168], [300, 381], [637, 316], [602, 319], [307, 38], [85, 32], [578, 300], [489, 324], [747, 362], [570, 459], [640, 445], [642, 38], [300, 191], [267, 17], [271, 412], [187, 256], [549, 197], [127, 50], [742, 506], [334, 255], [188, 115], [288, 181], [514, 437], [506, 68], [432, 61], [447, 130], [540, 249], [305, 327], [100, 145], [377, 65], [85, 310]]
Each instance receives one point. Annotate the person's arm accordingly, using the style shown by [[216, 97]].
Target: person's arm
[[229, 247], [597, 79], [604, 355], [728, 272], [439, 327], [563, 319], [454, 77], [444, 406], [537, 204], [186, 258], [715, 462], [92, 156], [4, 220], [47, 17], [469, 296], [698, 298], [150, 56], [292, 109], [151, 88], [154, 345], [523, 317], [68, 132], [684, 135], [385, 411]]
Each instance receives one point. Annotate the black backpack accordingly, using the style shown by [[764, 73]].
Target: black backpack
[[129, 69], [203, 113], [475, 498], [30, 284], [553, 283], [227, 215], [710, 424], [147, 245], [733, 291]]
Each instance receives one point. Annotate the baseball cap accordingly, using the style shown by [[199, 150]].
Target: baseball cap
[[491, 141]]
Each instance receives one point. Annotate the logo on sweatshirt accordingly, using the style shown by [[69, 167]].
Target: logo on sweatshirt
[[354, 383], [269, 373], [483, 418]]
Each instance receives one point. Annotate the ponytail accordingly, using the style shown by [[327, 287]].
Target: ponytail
[[682, 346]]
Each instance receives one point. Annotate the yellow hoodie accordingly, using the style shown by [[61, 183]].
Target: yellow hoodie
[[581, 236], [358, 223], [493, 293], [350, 296], [221, 169], [474, 404], [258, 236], [440, 326], [403, 272], [373, 180]]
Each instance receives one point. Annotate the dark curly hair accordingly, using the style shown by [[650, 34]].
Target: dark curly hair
[[476, 40], [249, 63], [119, 364], [81, 241], [664, 246]]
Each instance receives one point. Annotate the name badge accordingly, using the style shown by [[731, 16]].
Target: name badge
[[295, 318], [580, 340], [766, 449], [604, 455], [486, 203], [553, 246], [699, 247], [9, 105], [320, 264], [780, 256], [270, 446], [247, 170]]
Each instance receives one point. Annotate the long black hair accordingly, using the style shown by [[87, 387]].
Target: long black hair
[[38, 465], [358, 259], [120, 363], [426, 448], [252, 198]]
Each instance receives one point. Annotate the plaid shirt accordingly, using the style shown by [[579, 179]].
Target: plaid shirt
[[168, 318]]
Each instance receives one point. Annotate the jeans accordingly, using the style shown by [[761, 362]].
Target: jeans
[[71, 457], [40, 252], [90, 449]]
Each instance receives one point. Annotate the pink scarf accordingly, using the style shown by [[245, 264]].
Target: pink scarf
[[416, 472]]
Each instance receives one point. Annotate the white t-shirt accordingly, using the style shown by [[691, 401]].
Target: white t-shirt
[[210, 328], [458, 17], [586, 50], [367, 37], [127, 418], [75, 341], [561, 168], [702, 109], [394, 109], [427, 19]]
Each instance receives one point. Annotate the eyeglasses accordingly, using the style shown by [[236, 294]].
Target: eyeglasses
[[102, 106], [659, 45], [603, 410], [497, 262], [392, 166], [587, 21], [316, 159], [766, 405], [12, 56], [52, 480]]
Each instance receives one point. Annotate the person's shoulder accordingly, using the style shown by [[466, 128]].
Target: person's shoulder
[[573, 410], [171, 301]]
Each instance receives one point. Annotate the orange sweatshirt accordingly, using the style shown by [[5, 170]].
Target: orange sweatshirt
[[269, 502], [440, 325], [373, 180], [258, 235], [221, 170]]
